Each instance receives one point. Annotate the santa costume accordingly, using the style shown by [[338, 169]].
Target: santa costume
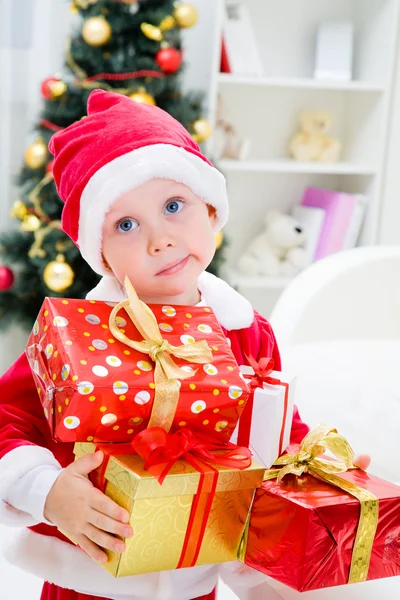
[[119, 146]]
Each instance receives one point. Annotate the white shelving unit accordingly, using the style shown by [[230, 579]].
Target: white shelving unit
[[266, 110], [290, 166], [300, 83]]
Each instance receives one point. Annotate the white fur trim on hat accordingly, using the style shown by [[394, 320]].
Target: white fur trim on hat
[[133, 169]]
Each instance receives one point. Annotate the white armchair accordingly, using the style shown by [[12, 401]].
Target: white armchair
[[338, 327]]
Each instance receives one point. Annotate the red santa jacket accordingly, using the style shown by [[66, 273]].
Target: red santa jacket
[[27, 452]]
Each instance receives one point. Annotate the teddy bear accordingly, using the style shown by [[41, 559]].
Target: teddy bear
[[278, 250], [226, 141], [312, 142]]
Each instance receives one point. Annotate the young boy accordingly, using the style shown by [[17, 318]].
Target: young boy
[[140, 200]]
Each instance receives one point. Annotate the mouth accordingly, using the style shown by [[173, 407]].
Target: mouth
[[174, 267]]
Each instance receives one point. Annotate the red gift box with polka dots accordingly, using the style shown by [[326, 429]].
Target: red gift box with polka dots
[[95, 388]]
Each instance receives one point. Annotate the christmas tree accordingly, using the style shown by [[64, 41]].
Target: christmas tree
[[132, 47]]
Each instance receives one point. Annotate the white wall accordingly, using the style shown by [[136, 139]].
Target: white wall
[[389, 227], [198, 47]]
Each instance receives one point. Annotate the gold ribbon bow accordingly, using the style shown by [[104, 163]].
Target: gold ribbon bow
[[308, 460], [152, 32], [167, 373]]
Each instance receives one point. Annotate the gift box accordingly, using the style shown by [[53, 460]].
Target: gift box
[[105, 372], [323, 529], [195, 517], [266, 422]]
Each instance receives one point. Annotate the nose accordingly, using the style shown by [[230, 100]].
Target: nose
[[159, 242], [298, 230]]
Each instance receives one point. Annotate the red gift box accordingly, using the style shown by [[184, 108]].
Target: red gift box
[[94, 387], [303, 531]]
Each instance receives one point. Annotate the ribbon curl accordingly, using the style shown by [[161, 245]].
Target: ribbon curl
[[167, 372]]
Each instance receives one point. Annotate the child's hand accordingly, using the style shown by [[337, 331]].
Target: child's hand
[[84, 513], [362, 462]]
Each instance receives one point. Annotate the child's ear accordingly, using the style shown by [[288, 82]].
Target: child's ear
[[212, 213], [105, 263]]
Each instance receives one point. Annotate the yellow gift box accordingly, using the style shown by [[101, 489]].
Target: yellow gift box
[[182, 522]]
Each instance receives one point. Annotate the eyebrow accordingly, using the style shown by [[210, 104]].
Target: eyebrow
[[167, 195]]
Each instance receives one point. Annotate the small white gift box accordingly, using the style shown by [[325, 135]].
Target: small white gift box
[[266, 422]]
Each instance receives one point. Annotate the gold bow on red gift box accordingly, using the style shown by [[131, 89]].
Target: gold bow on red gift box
[[167, 373], [309, 460]]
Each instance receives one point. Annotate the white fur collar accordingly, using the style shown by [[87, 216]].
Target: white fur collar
[[232, 310]]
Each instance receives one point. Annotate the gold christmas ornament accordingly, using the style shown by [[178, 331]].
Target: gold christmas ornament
[[219, 238], [96, 31], [185, 15], [84, 3], [36, 154], [58, 88], [143, 97], [19, 210], [202, 130], [58, 275], [53, 88], [152, 32], [30, 223]]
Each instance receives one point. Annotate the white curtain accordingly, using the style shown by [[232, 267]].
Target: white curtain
[[32, 40]]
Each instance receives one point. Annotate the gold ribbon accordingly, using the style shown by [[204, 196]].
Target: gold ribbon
[[308, 460], [166, 373], [152, 32]]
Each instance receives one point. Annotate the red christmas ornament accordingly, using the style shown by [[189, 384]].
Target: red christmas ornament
[[53, 88], [49, 167], [6, 278], [169, 59]]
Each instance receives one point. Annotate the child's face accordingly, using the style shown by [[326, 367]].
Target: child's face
[[161, 236]]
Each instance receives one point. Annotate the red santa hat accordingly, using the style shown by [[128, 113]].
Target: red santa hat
[[119, 146]]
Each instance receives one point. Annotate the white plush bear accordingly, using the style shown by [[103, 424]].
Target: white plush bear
[[278, 250]]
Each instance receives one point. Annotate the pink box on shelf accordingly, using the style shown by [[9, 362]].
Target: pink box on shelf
[[343, 219]]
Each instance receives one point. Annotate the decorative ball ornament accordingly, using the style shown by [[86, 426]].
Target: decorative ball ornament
[[202, 130], [19, 210], [6, 278], [30, 223], [169, 59], [58, 274], [219, 238], [133, 7], [152, 32], [85, 3], [143, 97], [53, 88], [185, 15], [96, 31], [36, 154]]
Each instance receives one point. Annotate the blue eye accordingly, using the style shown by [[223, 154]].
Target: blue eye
[[127, 225], [173, 206]]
